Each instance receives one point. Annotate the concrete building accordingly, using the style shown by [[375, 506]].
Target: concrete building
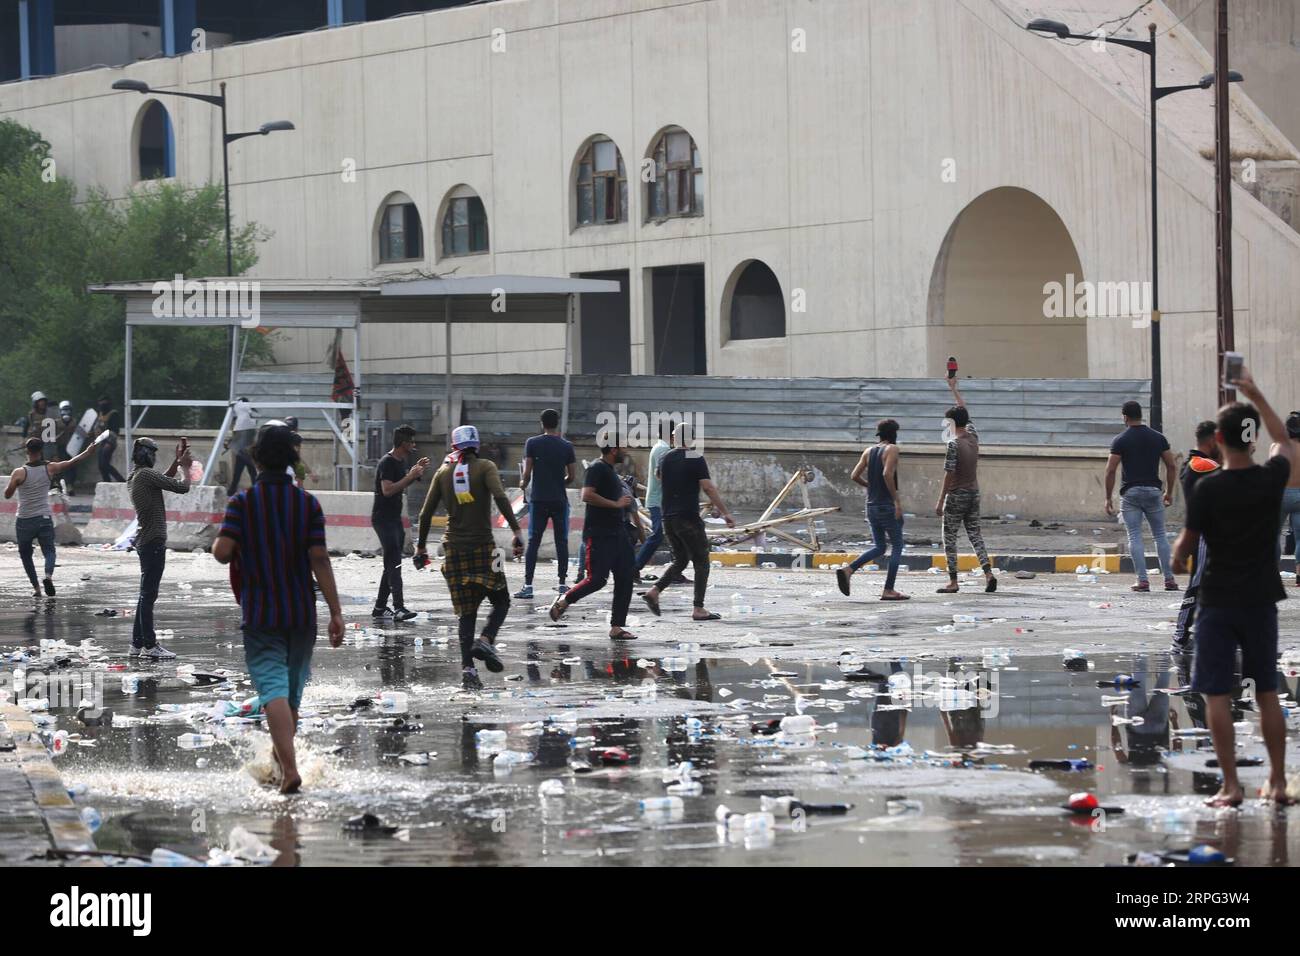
[[843, 188]]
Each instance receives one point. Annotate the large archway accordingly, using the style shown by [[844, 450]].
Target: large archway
[[987, 301]]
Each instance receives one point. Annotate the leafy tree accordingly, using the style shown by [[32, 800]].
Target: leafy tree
[[62, 340]]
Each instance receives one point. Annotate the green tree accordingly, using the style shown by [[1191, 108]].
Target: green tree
[[62, 340]]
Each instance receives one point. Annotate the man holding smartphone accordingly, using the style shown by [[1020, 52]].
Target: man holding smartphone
[[146, 485], [1236, 512]]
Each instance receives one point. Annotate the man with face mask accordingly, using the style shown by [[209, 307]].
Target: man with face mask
[[146, 486], [67, 425]]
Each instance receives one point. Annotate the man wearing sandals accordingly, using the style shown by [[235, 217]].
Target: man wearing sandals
[[959, 495], [1237, 511], [684, 474], [606, 540]]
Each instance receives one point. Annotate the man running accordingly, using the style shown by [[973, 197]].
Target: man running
[[392, 477], [467, 485], [959, 495], [1291, 496], [146, 485], [654, 495], [607, 542], [35, 520], [884, 508], [274, 533], [1141, 450], [549, 468], [1201, 461], [1236, 510], [684, 473], [243, 433]]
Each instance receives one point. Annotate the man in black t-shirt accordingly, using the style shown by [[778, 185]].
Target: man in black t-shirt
[[1236, 510], [392, 476], [607, 543], [1141, 449], [683, 474]]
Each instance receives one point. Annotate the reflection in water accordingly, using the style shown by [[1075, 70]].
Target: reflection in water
[[570, 702]]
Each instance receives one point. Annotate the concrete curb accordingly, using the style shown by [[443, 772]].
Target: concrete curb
[[63, 823], [1038, 563]]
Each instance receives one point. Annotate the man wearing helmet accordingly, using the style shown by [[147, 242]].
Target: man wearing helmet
[[146, 485], [467, 485]]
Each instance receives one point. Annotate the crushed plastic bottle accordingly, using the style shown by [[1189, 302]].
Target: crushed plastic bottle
[[550, 788], [796, 724], [393, 702], [91, 818], [661, 804], [491, 741], [508, 760], [896, 806]]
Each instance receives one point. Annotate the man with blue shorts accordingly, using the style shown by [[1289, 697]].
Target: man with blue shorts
[[273, 536], [1237, 510], [549, 468]]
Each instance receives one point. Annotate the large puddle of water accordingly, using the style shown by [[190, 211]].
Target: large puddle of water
[[933, 755]]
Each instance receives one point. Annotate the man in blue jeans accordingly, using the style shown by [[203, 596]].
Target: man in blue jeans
[[35, 520], [654, 495], [549, 467], [146, 485], [884, 508], [1140, 450]]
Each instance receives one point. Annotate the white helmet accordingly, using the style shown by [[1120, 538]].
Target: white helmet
[[65, 406], [37, 397]]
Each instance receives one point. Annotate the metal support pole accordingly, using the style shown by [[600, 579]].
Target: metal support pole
[[568, 362], [1223, 197], [126, 411], [356, 393], [1157, 391], [446, 326]]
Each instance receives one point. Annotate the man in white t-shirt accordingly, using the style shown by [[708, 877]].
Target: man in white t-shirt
[[654, 495], [242, 435]]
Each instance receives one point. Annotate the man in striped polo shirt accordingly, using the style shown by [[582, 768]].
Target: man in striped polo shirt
[[274, 538]]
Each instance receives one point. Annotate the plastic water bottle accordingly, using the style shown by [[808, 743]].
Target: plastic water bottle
[[798, 724], [759, 824], [195, 741], [673, 664], [59, 743], [91, 818], [161, 856], [130, 685], [508, 760], [694, 726], [491, 741], [392, 702], [661, 804], [550, 788], [964, 619]]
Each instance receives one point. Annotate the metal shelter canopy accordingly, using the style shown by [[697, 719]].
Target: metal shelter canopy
[[343, 304]]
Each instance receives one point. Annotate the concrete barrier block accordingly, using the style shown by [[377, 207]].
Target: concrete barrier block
[[347, 521], [193, 519]]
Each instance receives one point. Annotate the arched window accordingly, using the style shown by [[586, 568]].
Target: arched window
[[757, 305], [678, 185], [601, 183], [155, 144], [464, 224], [401, 236]]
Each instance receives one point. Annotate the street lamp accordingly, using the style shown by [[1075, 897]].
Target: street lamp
[[219, 101], [1063, 32]]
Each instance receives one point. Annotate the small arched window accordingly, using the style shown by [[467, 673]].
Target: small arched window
[[678, 185], [757, 305], [401, 235], [601, 183], [155, 143], [464, 224]]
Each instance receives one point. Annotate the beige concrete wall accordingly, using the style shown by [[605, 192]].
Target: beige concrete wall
[[827, 164]]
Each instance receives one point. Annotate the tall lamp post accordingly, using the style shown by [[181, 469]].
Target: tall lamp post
[[227, 137], [1157, 93], [219, 101]]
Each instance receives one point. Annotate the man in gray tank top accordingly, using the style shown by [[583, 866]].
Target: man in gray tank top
[[35, 519]]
